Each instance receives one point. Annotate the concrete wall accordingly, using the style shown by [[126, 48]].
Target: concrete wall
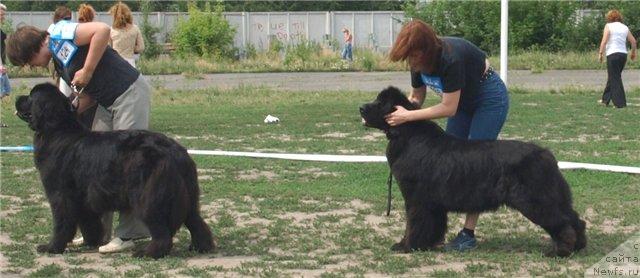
[[376, 30]]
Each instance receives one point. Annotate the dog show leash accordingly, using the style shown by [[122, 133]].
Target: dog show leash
[[75, 102], [389, 181]]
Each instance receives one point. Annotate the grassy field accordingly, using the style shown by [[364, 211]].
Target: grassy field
[[278, 218]]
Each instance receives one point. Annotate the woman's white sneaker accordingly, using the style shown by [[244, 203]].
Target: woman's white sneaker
[[116, 245], [76, 242]]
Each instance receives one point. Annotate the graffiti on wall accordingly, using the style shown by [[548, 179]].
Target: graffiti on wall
[[279, 30]]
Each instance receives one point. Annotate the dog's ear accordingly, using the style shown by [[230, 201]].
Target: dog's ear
[[49, 108], [394, 96]]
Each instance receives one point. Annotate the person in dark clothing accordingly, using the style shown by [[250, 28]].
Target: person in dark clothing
[[474, 98], [82, 58], [614, 41]]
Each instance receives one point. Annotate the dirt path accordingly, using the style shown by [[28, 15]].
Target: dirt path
[[370, 81]]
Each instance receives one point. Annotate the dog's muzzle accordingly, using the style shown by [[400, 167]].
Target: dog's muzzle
[[24, 116]]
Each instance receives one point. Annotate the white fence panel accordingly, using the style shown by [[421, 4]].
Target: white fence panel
[[375, 30]]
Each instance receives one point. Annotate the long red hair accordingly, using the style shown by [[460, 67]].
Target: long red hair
[[418, 43]]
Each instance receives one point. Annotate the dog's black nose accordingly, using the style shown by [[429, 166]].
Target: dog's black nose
[[361, 109]]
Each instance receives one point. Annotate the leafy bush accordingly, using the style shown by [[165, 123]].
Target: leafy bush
[[250, 51], [149, 32], [301, 53], [204, 33], [368, 60], [275, 45]]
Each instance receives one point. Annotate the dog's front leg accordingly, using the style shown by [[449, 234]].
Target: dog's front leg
[[64, 225], [402, 245]]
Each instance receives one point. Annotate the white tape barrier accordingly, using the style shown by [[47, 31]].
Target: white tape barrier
[[598, 167], [374, 158], [293, 156]]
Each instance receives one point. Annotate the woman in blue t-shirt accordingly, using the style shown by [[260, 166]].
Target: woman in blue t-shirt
[[474, 98], [82, 57]]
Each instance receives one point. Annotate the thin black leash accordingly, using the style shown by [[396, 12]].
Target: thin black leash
[[389, 181]]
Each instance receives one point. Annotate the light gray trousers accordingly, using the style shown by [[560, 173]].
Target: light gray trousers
[[129, 111]]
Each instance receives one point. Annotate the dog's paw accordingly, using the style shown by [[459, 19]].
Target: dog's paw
[[46, 248], [138, 253], [204, 248], [400, 247], [43, 248]]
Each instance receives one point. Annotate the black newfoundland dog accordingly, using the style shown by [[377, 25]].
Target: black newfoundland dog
[[86, 174], [438, 173]]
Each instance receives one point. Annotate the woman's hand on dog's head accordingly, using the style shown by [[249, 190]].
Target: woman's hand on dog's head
[[398, 117]]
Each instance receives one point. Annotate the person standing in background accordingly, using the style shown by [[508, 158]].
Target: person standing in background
[[86, 13], [126, 37], [347, 52], [5, 86], [474, 99], [614, 43], [61, 13]]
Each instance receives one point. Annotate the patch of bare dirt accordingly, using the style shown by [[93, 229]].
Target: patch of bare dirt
[[255, 174]]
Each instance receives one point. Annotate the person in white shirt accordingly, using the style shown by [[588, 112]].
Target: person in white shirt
[[614, 45]]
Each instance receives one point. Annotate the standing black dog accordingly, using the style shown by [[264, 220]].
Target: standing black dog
[[86, 174], [438, 173]]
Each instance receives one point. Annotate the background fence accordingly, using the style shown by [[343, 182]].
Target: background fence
[[375, 30]]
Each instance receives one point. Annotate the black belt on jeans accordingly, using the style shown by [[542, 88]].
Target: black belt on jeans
[[487, 74]]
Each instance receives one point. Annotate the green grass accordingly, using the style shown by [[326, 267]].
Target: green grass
[[364, 60], [280, 218]]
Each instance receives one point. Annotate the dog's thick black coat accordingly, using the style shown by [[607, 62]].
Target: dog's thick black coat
[[86, 174], [438, 173]]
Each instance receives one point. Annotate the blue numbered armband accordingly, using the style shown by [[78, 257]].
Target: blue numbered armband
[[61, 43], [433, 82]]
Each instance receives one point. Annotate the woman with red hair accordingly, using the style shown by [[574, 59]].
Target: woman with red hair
[[614, 41], [473, 96], [86, 13]]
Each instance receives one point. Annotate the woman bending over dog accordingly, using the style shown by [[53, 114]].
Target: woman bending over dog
[[474, 98], [83, 59]]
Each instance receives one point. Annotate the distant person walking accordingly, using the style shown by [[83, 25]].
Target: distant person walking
[[126, 37], [5, 87], [614, 45], [347, 52]]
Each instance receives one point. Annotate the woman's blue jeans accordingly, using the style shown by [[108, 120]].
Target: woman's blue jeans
[[347, 52], [484, 120]]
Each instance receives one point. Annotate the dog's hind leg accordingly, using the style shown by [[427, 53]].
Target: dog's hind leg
[[161, 240], [554, 221], [579, 226], [201, 237]]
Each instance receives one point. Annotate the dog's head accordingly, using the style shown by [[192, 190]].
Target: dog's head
[[45, 109], [373, 113]]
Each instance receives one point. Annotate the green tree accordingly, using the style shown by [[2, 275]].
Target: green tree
[[149, 32], [533, 25], [205, 33]]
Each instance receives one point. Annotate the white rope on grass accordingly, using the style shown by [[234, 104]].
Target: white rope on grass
[[361, 158], [373, 158]]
